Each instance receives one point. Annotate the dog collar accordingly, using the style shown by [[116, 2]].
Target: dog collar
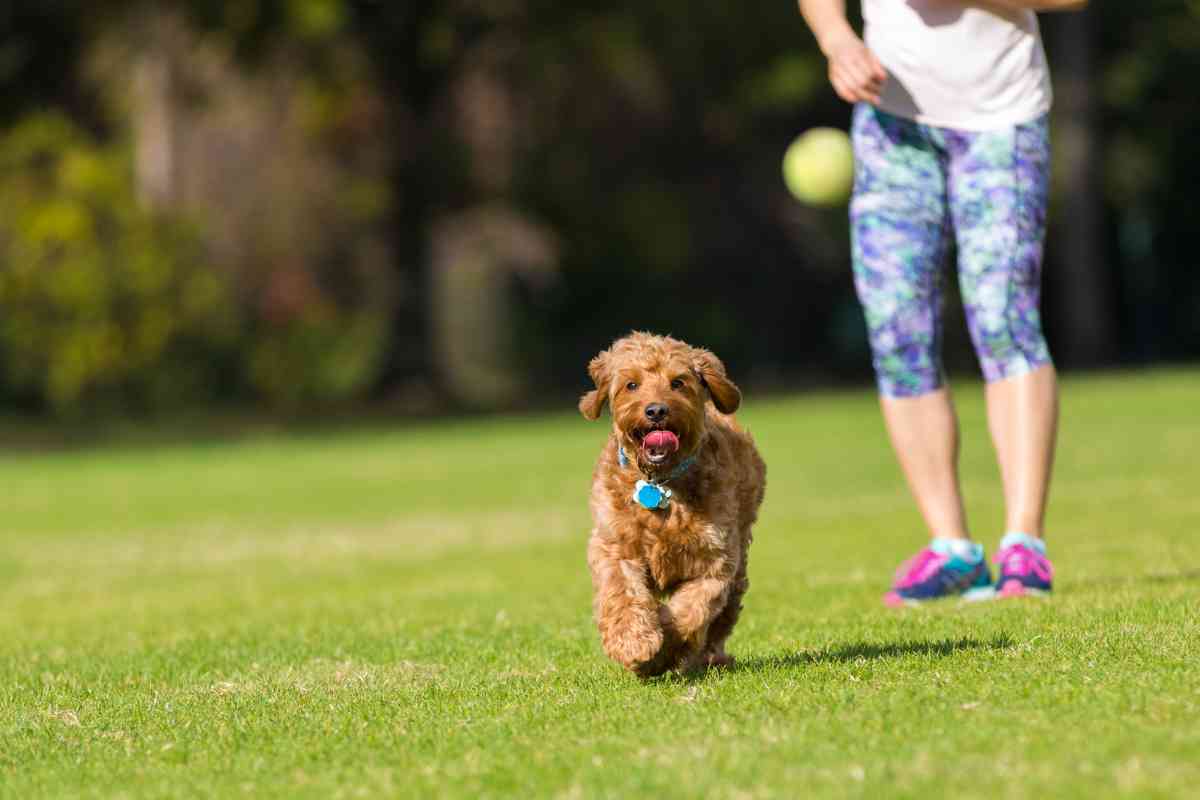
[[653, 494]]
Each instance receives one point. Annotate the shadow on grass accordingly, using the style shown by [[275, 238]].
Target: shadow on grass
[[870, 651]]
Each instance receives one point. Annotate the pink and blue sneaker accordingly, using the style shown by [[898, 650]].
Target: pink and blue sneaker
[[947, 568], [1024, 568]]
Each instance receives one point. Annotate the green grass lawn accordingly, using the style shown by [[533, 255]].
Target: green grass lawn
[[405, 612]]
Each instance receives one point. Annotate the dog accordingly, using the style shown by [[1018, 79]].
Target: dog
[[674, 494]]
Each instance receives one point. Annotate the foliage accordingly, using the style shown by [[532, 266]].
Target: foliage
[[1145, 53], [283, 163], [388, 612], [280, 287], [288, 174], [102, 301], [646, 138]]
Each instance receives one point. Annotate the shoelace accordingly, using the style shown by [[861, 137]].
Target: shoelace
[[918, 568], [1019, 560]]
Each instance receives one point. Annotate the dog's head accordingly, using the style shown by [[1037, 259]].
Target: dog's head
[[658, 387]]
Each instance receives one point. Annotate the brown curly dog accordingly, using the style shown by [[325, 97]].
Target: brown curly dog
[[674, 494]]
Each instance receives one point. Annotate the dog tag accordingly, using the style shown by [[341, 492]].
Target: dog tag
[[651, 496]]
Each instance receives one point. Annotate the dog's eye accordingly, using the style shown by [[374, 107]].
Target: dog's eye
[[677, 383], [631, 386]]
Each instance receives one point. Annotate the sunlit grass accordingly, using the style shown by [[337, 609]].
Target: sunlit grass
[[406, 612]]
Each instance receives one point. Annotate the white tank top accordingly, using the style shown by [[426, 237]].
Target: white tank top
[[958, 66]]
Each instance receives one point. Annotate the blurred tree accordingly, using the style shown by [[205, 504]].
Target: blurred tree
[[105, 304], [1084, 314], [285, 165], [637, 145], [1148, 53]]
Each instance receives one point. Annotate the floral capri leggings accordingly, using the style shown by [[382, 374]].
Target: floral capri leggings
[[915, 187]]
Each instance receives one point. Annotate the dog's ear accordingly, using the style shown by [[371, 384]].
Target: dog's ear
[[724, 393], [592, 403]]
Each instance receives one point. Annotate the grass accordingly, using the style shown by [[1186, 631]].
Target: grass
[[405, 613]]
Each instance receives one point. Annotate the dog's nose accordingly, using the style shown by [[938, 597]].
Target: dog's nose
[[657, 412]]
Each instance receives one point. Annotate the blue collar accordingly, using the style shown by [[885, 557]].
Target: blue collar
[[653, 494], [680, 468]]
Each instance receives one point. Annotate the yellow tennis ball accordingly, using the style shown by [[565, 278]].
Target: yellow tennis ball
[[818, 167]]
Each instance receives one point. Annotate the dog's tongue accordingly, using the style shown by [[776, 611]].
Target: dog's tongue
[[661, 440]]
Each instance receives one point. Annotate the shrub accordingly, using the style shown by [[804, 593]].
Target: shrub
[[102, 303]]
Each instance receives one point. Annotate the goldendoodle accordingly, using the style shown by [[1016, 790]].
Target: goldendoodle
[[675, 492]]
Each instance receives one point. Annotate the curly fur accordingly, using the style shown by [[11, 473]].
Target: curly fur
[[669, 582]]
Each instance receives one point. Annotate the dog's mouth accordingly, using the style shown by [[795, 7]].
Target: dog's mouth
[[657, 443]]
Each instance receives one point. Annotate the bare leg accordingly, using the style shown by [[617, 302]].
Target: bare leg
[[1023, 420], [924, 434]]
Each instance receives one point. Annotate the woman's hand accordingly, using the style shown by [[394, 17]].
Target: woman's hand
[[854, 71]]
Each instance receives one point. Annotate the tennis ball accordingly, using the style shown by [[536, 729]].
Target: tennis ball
[[818, 167]]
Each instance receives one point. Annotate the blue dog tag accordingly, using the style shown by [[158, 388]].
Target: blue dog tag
[[651, 496]]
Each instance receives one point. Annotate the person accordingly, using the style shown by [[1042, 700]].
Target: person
[[951, 146]]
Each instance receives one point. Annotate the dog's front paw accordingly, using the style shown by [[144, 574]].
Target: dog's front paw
[[632, 636], [634, 649], [673, 652], [666, 659]]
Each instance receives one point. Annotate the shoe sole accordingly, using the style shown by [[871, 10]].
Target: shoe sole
[[975, 594], [979, 594], [1014, 588]]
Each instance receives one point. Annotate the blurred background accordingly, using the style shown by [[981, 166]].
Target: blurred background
[[292, 207]]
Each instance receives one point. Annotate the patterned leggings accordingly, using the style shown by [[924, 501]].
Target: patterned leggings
[[917, 185]]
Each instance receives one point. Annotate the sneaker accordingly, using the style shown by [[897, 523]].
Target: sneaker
[[938, 571], [1024, 568]]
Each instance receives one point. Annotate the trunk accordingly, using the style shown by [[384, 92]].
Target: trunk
[[1082, 315], [154, 119], [475, 256]]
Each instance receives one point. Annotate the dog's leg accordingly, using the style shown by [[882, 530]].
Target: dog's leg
[[722, 626], [691, 611], [626, 611]]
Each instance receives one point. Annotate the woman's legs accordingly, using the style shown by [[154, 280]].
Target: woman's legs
[[899, 237], [992, 186], [997, 185], [924, 434], [1023, 420]]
